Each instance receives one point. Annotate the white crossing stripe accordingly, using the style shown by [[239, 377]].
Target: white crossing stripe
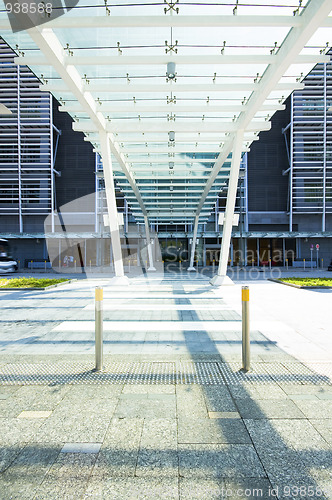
[[153, 306], [161, 326]]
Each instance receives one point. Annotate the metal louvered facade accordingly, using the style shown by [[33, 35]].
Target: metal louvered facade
[[311, 146], [26, 183]]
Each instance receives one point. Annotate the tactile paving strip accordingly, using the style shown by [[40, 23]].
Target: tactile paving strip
[[234, 375], [162, 373], [283, 373]]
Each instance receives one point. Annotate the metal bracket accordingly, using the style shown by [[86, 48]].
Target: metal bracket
[[297, 11], [171, 100], [107, 7], [171, 47], [68, 49], [171, 6], [22, 54], [273, 50], [235, 8], [325, 49]]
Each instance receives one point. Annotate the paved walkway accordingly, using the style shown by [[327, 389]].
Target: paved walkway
[[171, 415]]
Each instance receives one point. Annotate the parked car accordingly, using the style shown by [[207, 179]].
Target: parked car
[[7, 263]]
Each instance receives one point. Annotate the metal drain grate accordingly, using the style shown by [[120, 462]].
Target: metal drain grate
[[163, 373]]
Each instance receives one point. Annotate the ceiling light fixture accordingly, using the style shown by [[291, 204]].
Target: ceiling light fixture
[[170, 73]]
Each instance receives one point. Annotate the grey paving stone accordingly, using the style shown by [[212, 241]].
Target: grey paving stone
[[67, 478], [15, 431], [324, 396], [124, 432], [158, 449], [157, 463], [321, 480], [262, 408], [140, 406], [159, 434], [282, 463], [300, 435], [197, 489], [320, 409], [77, 426], [8, 455], [235, 460], [305, 389], [216, 431], [119, 452], [7, 392], [190, 401], [218, 398], [116, 462], [148, 389], [294, 486], [247, 488], [264, 435], [223, 414], [94, 392], [324, 427], [138, 488], [27, 471], [256, 391], [299, 397], [21, 400]]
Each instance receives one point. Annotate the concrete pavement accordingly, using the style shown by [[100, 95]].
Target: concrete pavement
[[171, 415]]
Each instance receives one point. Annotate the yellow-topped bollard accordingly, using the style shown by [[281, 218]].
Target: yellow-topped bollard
[[99, 295], [245, 330]]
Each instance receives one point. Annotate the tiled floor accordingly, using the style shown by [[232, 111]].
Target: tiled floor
[[172, 416]]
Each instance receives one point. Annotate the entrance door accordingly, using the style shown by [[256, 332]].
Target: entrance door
[[174, 249]]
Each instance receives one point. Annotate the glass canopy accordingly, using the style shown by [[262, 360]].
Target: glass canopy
[[172, 83]]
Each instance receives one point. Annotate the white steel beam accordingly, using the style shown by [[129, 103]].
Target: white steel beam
[[221, 278], [80, 22], [52, 49], [147, 160], [169, 213], [193, 140], [162, 60], [162, 88], [159, 107], [148, 244], [193, 245], [193, 149], [111, 205], [186, 126], [311, 19]]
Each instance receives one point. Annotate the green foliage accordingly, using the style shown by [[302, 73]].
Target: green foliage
[[30, 282], [308, 281]]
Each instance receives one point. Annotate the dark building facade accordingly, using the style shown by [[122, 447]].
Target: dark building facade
[[51, 182]]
